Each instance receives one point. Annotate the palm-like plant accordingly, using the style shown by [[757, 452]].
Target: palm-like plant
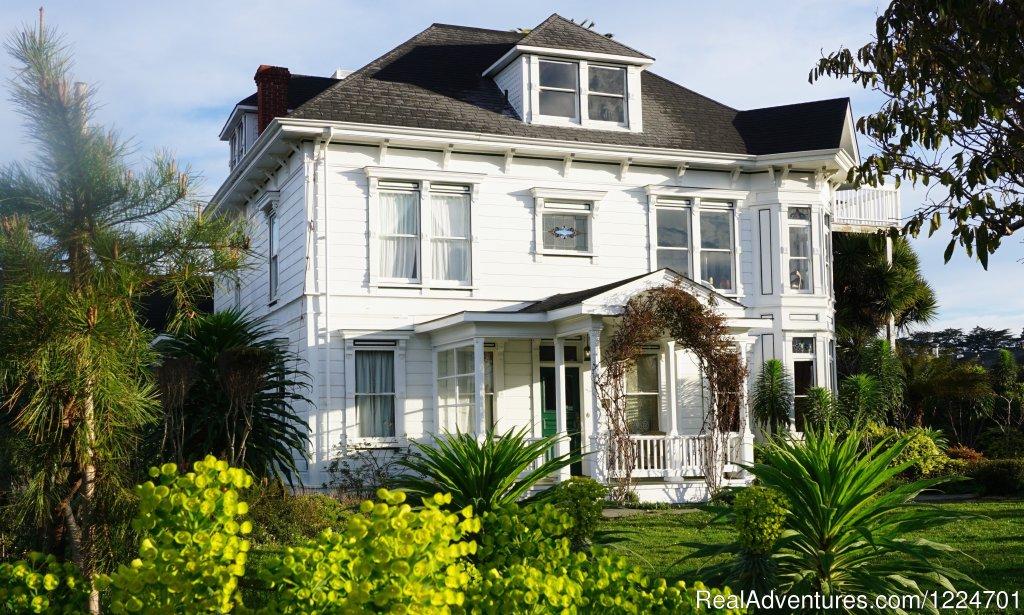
[[860, 399], [487, 473], [773, 396], [845, 529], [228, 389]]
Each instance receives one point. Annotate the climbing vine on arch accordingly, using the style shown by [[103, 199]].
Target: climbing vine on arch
[[669, 312]]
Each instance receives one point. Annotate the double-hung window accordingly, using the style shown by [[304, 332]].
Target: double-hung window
[[398, 258], [450, 236], [456, 392], [827, 233], [800, 249], [559, 89], [566, 227], [717, 247], [642, 395], [375, 393], [803, 376], [273, 250], [673, 235], [606, 100]]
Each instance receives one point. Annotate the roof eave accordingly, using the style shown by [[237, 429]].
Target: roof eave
[[519, 50], [236, 114]]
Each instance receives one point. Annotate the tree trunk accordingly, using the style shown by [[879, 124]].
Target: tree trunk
[[87, 537]]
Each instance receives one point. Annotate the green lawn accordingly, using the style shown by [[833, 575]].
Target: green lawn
[[995, 543]]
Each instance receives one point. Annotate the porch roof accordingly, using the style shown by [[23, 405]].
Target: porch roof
[[604, 300]]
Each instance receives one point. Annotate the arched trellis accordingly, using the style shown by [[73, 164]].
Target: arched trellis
[[654, 315]]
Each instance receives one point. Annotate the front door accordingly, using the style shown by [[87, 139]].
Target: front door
[[572, 409]]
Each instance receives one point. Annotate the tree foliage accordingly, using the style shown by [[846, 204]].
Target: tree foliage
[[772, 402], [229, 389], [952, 78]]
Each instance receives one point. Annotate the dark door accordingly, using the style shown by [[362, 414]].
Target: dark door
[[572, 409]]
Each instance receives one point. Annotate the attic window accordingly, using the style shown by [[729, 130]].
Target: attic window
[[559, 88], [606, 101]]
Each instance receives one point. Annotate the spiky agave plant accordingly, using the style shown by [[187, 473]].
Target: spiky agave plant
[[483, 473], [847, 530]]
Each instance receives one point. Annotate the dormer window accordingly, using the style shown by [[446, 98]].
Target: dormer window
[[606, 100], [559, 89]]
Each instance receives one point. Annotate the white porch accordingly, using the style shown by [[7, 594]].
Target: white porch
[[536, 368]]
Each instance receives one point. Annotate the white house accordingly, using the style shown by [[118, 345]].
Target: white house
[[446, 234]]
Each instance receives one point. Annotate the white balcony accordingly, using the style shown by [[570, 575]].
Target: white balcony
[[866, 209]]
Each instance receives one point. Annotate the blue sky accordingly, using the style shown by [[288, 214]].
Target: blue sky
[[168, 73]]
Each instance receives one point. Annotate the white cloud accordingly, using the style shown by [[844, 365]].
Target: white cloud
[[168, 74]]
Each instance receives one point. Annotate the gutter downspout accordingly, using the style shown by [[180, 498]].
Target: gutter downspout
[[325, 297]]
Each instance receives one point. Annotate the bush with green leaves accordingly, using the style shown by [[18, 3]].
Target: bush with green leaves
[[193, 548], [41, 584], [758, 515], [772, 402], [390, 558], [1000, 444], [581, 498], [924, 456], [998, 476], [482, 472], [280, 517]]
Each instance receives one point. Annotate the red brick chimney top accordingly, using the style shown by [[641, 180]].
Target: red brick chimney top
[[271, 93]]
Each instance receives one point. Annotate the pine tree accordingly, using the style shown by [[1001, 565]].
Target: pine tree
[[83, 234]]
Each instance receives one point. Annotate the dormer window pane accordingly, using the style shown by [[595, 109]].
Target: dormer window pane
[[607, 99], [559, 88]]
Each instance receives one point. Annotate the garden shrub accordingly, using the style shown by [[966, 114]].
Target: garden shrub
[[390, 558], [192, 551], [1007, 444], [581, 498], [965, 453], [759, 514], [41, 584], [281, 518], [924, 455], [999, 476]]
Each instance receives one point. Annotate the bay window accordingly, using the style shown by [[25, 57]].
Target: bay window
[[375, 393], [559, 89], [799, 219], [606, 100], [456, 392], [643, 404], [717, 251], [673, 235]]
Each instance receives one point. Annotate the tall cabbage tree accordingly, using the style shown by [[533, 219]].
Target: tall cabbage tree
[[84, 233], [229, 389], [772, 403]]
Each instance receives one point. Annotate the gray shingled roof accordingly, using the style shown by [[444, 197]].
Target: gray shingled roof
[[435, 80], [300, 89], [557, 32]]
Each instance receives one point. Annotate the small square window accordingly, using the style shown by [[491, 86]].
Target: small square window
[[803, 345], [565, 227]]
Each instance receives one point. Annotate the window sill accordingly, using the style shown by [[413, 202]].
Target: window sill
[[419, 286], [565, 253], [378, 443]]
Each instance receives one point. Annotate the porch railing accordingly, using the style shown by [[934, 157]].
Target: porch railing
[[867, 207], [664, 456]]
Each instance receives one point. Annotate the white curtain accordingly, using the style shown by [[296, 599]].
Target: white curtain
[[451, 243], [375, 393], [399, 235]]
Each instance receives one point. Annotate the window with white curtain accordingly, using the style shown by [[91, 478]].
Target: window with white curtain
[[273, 249], [450, 233], [399, 232], [717, 248], [673, 235], [799, 219], [456, 391], [375, 393]]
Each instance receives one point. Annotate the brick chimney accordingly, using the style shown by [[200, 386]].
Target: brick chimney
[[271, 93]]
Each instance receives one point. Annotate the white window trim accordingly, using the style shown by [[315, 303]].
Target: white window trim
[[439, 425], [817, 357], [351, 418], [423, 178], [809, 225], [701, 199], [585, 88], [633, 110], [268, 203], [578, 92], [662, 390], [546, 200], [674, 203]]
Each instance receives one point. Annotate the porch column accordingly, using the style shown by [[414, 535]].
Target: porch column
[[746, 434], [673, 450], [597, 459], [562, 448], [478, 387]]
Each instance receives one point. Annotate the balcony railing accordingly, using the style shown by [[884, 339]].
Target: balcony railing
[[665, 456], [867, 208]]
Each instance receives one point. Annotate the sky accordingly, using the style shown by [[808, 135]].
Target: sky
[[168, 73]]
